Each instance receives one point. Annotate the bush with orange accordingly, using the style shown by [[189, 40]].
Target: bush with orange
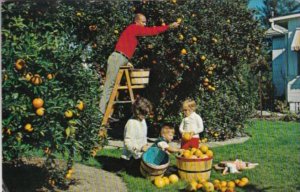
[[35, 100]]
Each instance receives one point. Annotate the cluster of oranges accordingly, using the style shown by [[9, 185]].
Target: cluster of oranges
[[35, 79], [229, 186], [201, 153], [217, 185], [163, 181]]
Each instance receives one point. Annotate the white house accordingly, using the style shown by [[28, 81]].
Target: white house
[[285, 34]]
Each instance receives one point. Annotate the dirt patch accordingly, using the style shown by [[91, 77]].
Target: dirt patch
[[30, 176]]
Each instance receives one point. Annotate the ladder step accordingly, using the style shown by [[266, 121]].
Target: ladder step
[[133, 87], [123, 102]]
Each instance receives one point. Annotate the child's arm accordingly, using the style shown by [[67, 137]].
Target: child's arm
[[174, 149], [199, 123], [181, 127]]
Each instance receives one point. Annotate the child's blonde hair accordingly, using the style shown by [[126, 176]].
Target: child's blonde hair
[[167, 129], [190, 103]]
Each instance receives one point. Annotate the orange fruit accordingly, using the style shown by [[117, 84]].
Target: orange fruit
[[80, 105], [159, 182], [174, 1], [40, 111], [237, 181], [68, 176], [186, 136], [28, 127], [203, 148], [116, 31], [209, 153], [231, 184], [199, 185], [192, 186], [173, 178], [37, 103], [180, 37], [198, 153], [179, 20], [203, 58], [36, 79], [69, 114], [166, 180], [194, 39], [205, 80], [50, 76], [223, 184], [28, 76], [210, 72], [208, 187], [183, 52], [245, 179], [187, 154], [20, 63], [242, 184]]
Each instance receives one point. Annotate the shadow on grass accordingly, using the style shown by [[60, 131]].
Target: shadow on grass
[[24, 178], [253, 188], [117, 165]]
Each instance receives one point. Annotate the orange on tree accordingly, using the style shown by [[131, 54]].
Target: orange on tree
[[179, 20], [80, 105], [68, 176], [36, 79], [19, 65], [69, 114], [28, 127], [28, 76], [181, 37], [37, 103], [183, 52], [194, 39], [40, 111], [50, 76]]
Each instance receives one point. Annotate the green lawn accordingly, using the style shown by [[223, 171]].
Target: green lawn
[[273, 144]]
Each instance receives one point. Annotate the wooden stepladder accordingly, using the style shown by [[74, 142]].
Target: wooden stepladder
[[134, 79]]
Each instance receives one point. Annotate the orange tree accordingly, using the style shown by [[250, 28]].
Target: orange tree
[[210, 57], [50, 95]]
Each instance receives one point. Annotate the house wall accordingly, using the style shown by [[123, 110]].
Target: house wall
[[293, 56], [279, 64]]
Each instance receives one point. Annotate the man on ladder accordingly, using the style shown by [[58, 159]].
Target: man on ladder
[[124, 50]]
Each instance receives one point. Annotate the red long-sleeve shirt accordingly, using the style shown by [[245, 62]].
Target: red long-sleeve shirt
[[128, 39]]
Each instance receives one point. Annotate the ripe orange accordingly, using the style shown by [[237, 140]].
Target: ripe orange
[[231, 184], [181, 37], [50, 76], [187, 154], [183, 52], [80, 105], [159, 182], [205, 80], [209, 72], [173, 178], [192, 186], [69, 114], [28, 127], [166, 180], [179, 20], [68, 176], [198, 153], [28, 76], [186, 136], [36, 79], [37, 103], [209, 153], [204, 148], [20, 63], [174, 1], [194, 39], [40, 111], [203, 58], [116, 31], [208, 187]]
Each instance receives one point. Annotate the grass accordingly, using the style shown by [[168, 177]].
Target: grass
[[273, 144]]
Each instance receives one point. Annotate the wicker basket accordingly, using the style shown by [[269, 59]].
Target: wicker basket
[[194, 169], [154, 163], [139, 76]]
